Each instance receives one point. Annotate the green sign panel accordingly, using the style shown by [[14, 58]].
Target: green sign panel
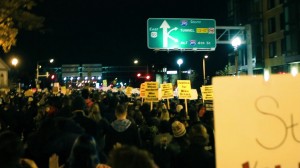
[[181, 34]]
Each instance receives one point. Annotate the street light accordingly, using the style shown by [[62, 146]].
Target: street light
[[37, 71], [179, 62], [236, 42], [203, 63], [14, 62]]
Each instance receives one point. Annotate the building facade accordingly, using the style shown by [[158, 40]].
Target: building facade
[[274, 32]]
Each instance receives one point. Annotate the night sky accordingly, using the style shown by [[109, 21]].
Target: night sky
[[114, 33]]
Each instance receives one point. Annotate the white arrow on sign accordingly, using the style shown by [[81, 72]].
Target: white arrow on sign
[[174, 39], [165, 26]]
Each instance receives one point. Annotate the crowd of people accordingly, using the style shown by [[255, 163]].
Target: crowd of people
[[103, 129]]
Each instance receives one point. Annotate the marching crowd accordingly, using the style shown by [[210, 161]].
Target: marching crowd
[[103, 129]]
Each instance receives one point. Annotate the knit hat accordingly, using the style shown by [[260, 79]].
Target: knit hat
[[178, 129]]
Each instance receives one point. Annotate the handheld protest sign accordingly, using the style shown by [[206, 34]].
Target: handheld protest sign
[[151, 92], [184, 91], [167, 92], [257, 121]]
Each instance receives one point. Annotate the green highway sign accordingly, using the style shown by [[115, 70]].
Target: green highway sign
[[181, 34]]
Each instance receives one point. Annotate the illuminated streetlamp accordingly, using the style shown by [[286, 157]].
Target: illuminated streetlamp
[[14, 62], [203, 63], [236, 42], [179, 62]]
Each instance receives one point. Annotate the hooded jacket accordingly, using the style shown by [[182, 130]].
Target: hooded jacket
[[124, 132]]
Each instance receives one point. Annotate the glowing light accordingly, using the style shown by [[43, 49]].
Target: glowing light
[[179, 61], [294, 70], [266, 75], [14, 61], [236, 42]]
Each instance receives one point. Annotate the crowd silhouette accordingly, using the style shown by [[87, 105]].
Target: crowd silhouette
[[103, 129]]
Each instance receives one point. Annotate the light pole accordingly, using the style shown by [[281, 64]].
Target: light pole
[[179, 62], [37, 71], [203, 63], [236, 42], [14, 62]]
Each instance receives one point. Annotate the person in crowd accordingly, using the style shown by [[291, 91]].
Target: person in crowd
[[180, 138], [53, 104], [121, 130], [208, 122], [102, 124], [55, 135], [66, 107], [84, 154], [108, 106], [11, 152], [164, 115], [85, 93], [130, 157], [146, 111], [196, 155], [163, 152], [79, 116]]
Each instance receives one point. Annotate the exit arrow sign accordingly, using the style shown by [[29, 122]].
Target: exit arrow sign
[[181, 34]]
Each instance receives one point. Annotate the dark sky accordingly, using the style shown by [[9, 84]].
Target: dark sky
[[114, 32]]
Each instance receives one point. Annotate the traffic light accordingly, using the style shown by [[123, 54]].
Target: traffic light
[[148, 77], [52, 76], [139, 75]]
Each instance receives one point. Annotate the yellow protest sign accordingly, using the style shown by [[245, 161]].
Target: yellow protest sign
[[151, 92], [166, 90], [257, 121], [28, 93], [184, 89], [55, 90], [63, 90], [128, 91], [207, 92], [142, 90]]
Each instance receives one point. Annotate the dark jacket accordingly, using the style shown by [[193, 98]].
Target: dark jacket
[[194, 157], [123, 132]]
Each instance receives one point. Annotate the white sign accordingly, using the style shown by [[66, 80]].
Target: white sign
[[257, 122]]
